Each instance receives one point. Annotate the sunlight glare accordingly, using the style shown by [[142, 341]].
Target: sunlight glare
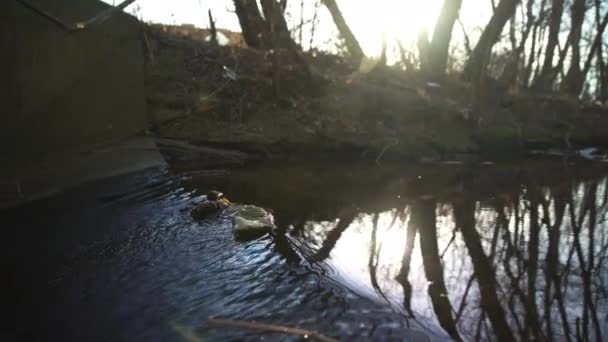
[[400, 20]]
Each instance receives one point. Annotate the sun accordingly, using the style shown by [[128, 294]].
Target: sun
[[400, 20]]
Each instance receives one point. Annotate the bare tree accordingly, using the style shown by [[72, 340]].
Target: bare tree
[[542, 81], [527, 71], [510, 72], [601, 64], [263, 32], [252, 24], [440, 44], [573, 82], [383, 50], [352, 44], [424, 48], [314, 24], [478, 61], [212, 28], [276, 24], [596, 46]]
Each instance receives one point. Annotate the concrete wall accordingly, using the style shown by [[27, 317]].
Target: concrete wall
[[8, 93], [69, 90]]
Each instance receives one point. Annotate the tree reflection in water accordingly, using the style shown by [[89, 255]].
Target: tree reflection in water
[[511, 252], [524, 265]]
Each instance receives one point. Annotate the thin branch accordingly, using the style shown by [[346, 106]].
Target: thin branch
[[104, 15], [467, 41], [270, 328]]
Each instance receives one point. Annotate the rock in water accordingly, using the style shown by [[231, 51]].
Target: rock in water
[[251, 222]]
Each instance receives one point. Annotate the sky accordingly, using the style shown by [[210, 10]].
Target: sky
[[399, 19]]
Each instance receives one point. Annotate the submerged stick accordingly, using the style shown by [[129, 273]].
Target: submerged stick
[[394, 142], [270, 328]]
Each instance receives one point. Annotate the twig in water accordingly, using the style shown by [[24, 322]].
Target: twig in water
[[395, 142], [270, 328]]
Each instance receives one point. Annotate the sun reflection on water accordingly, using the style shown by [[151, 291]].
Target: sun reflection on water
[[447, 282]]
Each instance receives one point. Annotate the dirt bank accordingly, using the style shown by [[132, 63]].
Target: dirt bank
[[275, 103]]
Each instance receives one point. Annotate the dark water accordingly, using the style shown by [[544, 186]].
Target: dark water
[[397, 252]]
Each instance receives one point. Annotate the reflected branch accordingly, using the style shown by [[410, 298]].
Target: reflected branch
[[576, 230], [591, 205], [464, 298], [588, 209], [423, 216], [333, 236], [374, 252], [464, 215], [551, 264], [402, 277], [285, 247], [512, 253], [531, 326]]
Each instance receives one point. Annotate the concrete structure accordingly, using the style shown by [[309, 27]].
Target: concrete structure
[[66, 91], [73, 88]]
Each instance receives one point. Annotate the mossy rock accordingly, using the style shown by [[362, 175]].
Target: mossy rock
[[251, 222]]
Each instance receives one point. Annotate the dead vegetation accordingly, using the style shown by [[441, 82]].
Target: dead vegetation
[[205, 93]]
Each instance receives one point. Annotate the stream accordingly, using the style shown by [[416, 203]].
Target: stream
[[404, 252]]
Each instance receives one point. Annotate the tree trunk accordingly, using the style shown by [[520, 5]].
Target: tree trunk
[[276, 24], [527, 72], [267, 32], [476, 65], [424, 50], [604, 79], [573, 82], [602, 91], [558, 69], [442, 35], [383, 50], [539, 42], [510, 72], [352, 44], [212, 28], [557, 9], [596, 46], [252, 24]]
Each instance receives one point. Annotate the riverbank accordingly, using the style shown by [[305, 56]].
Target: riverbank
[[315, 103]]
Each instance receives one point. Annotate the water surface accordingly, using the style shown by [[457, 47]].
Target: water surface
[[393, 252]]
